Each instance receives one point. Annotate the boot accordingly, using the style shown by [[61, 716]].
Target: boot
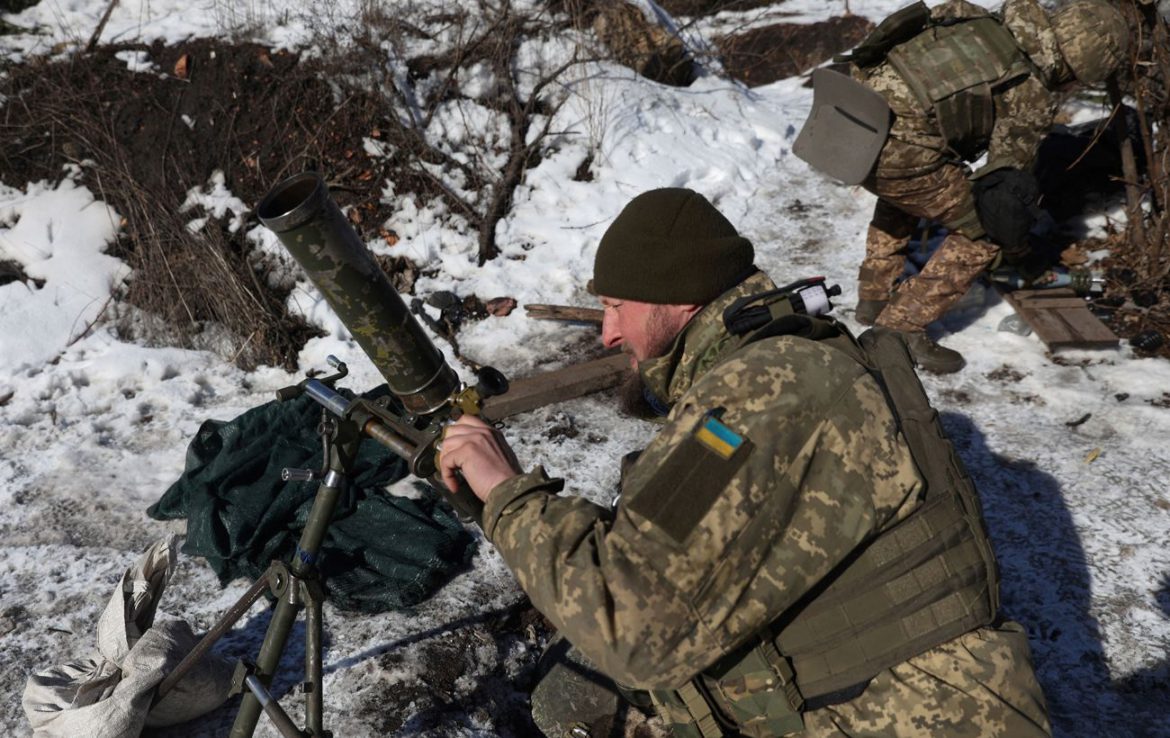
[[868, 311], [931, 357]]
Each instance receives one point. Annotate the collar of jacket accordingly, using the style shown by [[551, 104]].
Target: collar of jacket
[[701, 344]]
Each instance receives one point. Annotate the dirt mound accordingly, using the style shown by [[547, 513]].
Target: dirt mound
[[763, 55], [756, 56], [691, 8]]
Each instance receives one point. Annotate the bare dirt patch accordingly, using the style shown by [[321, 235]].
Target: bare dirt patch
[[763, 55]]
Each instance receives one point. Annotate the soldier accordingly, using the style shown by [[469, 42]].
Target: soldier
[[961, 84], [798, 546]]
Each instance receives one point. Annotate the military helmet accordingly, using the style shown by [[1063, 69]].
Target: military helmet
[[1093, 39]]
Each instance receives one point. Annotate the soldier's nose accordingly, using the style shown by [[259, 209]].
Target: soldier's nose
[[610, 335]]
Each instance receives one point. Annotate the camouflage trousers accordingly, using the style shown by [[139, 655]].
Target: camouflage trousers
[[942, 195]]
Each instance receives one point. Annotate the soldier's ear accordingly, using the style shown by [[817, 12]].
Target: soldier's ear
[[682, 314]]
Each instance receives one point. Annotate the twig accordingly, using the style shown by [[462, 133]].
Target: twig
[[563, 312], [89, 326], [244, 345], [1097, 135], [101, 26]]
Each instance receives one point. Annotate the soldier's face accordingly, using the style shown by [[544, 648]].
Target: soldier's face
[[643, 330]]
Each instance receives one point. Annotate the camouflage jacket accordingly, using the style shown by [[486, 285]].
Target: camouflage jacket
[[724, 523], [1024, 112]]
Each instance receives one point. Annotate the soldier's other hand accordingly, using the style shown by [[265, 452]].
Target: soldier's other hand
[[479, 453], [1006, 203]]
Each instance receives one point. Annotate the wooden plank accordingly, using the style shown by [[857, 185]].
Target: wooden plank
[[1052, 303], [558, 385], [1089, 331], [1054, 293], [1048, 326], [1061, 319], [564, 312]]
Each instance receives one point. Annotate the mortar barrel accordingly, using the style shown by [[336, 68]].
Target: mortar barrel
[[309, 224]]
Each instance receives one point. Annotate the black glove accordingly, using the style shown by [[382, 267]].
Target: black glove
[[1005, 201]]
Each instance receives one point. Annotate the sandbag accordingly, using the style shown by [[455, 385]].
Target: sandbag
[[108, 694]]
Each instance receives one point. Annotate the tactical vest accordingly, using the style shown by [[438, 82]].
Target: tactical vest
[[954, 69], [927, 579]]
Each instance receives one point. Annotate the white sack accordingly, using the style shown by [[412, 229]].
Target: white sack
[[109, 694]]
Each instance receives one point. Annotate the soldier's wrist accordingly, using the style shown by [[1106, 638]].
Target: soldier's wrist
[[511, 494]]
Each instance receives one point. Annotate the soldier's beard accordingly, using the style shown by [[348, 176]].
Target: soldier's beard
[[632, 397], [660, 335]]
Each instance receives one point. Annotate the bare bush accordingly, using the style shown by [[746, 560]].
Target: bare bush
[[474, 82], [1139, 288], [364, 114], [144, 140]]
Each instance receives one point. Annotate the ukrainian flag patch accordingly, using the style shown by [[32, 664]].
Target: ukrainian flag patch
[[717, 437], [690, 478]]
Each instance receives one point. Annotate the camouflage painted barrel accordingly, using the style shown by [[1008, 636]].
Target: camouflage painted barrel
[[310, 225]]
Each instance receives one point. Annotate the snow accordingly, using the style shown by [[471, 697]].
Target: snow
[[94, 428], [57, 233]]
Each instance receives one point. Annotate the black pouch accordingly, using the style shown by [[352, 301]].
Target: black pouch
[[1005, 201]]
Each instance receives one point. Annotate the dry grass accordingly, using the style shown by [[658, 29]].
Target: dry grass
[[143, 141]]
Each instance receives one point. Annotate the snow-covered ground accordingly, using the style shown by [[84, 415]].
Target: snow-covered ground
[[93, 429]]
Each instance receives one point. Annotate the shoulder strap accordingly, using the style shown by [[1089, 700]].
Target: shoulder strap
[[896, 28]]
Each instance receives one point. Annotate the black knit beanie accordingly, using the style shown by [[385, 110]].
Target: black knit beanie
[[670, 247]]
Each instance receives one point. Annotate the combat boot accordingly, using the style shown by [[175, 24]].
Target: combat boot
[[867, 311], [931, 357]]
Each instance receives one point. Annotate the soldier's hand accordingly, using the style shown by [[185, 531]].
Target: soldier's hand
[[478, 452]]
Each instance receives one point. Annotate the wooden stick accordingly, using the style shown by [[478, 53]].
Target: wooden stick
[[558, 385], [1133, 192], [564, 312]]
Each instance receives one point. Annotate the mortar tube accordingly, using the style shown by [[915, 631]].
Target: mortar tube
[[313, 230]]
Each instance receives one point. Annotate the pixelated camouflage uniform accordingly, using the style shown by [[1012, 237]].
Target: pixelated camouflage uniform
[[917, 176], [679, 575]]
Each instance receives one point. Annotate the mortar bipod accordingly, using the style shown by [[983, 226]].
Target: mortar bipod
[[294, 585]]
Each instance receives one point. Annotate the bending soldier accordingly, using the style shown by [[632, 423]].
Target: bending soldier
[[799, 547], [962, 84]]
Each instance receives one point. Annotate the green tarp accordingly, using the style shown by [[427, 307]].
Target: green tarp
[[381, 552]]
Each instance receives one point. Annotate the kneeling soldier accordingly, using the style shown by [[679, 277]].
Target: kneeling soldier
[[799, 548]]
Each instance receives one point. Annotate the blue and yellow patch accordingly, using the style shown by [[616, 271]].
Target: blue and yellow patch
[[717, 437], [691, 478]]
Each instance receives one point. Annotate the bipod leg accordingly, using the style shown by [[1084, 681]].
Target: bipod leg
[[313, 686], [294, 593], [275, 640], [229, 619], [341, 437], [272, 708]]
